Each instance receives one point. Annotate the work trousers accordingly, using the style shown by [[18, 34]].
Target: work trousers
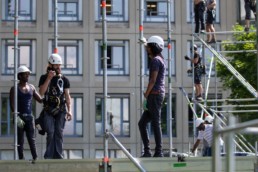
[[153, 115], [54, 126], [29, 129], [199, 16]]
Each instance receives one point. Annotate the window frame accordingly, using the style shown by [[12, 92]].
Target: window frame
[[65, 44], [113, 18], [160, 18], [68, 152], [112, 153], [115, 71], [31, 44], [100, 122], [76, 120], [9, 118], [66, 18], [31, 16]]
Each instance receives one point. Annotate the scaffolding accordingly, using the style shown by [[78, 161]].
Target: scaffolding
[[238, 139]]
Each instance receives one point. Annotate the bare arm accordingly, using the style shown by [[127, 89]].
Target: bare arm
[[36, 95], [196, 145], [212, 5], [151, 84]]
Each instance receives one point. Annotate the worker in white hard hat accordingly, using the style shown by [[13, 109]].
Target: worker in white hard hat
[[154, 94], [209, 120], [204, 133], [57, 106], [25, 93]]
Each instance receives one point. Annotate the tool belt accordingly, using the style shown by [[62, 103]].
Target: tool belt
[[54, 106], [54, 110]]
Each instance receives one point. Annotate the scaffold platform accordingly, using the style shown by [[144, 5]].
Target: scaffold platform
[[191, 164]]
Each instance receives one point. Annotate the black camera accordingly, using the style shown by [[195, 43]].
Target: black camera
[[50, 68], [187, 58]]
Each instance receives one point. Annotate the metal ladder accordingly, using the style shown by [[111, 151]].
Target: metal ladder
[[250, 88]]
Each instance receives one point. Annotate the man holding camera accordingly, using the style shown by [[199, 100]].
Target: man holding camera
[[196, 61], [57, 106]]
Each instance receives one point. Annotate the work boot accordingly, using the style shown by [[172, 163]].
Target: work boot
[[146, 155], [158, 155]]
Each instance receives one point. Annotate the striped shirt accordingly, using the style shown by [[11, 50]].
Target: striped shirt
[[206, 134]]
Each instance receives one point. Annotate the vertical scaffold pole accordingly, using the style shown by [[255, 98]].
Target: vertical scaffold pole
[[16, 32], [192, 53], [256, 24], [141, 15], [56, 27], [169, 78], [104, 50]]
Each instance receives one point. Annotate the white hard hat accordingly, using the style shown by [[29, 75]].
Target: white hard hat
[[195, 47], [209, 119], [22, 69], [198, 122], [158, 40], [55, 59]]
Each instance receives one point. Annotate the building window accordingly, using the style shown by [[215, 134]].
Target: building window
[[112, 153], [117, 115], [165, 118], [116, 10], [71, 53], [190, 11], [165, 55], [26, 55], [118, 58], [68, 10], [75, 126], [156, 11], [7, 127], [26, 10], [73, 154]]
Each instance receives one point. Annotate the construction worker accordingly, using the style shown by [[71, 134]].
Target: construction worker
[[210, 18], [209, 120], [197, 72], [249, 5], [154, 94], [57, 106], [199, 9], [26, 92], [204, 133]]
